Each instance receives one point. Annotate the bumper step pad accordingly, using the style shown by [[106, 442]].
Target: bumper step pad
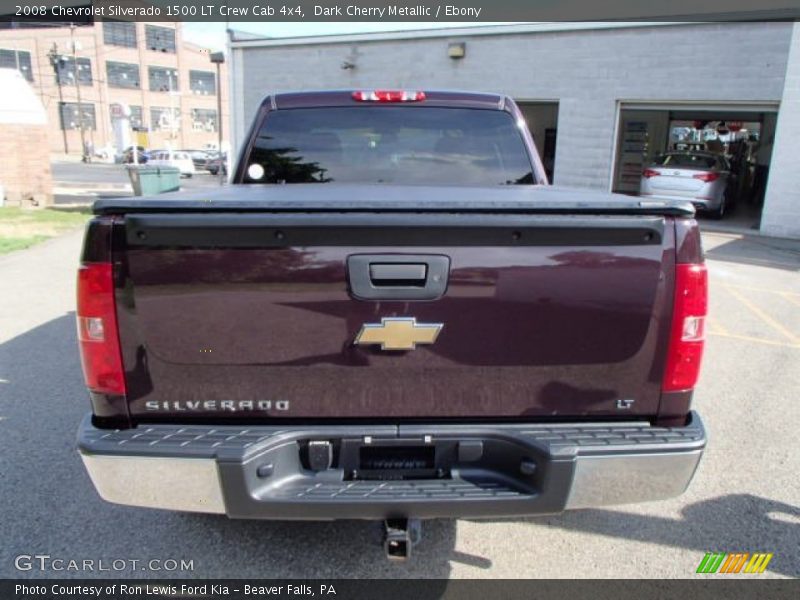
[[206, 441], [399, 490]]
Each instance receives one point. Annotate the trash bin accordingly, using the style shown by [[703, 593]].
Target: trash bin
[[149, 181]]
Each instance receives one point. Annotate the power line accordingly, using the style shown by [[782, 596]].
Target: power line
[[102, 97]]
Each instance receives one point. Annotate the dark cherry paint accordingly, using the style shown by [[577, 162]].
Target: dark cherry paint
[[530, 333]]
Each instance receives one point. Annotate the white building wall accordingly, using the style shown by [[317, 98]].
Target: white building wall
[[781, 217], [588, 71]]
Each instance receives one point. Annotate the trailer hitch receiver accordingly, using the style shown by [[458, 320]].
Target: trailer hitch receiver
[[400, 535]]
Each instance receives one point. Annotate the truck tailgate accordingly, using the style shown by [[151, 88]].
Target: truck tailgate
[[236, 315]]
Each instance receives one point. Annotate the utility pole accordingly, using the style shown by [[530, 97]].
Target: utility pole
[[171, 121], [55, 60], [218, 58], [86, 158]]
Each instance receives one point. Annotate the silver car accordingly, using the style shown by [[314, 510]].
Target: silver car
[[700, 177]]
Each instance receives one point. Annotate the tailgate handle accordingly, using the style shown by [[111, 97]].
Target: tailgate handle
[[398, 276]]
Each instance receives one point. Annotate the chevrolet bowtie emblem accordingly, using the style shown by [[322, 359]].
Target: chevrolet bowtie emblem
[[398, 333]]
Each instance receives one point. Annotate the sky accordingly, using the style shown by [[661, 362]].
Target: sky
[[212, 35]]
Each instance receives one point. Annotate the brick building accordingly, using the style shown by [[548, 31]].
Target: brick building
[[170, 84], [25, 175]]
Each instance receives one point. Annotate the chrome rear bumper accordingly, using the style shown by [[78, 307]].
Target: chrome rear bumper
[[488, 470]]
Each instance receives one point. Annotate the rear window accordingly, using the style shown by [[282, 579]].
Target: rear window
[[686, 161], [389, 144]]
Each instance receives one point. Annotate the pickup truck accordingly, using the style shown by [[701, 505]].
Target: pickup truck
[[389, 314]]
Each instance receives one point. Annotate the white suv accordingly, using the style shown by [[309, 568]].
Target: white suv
[[176, 158]]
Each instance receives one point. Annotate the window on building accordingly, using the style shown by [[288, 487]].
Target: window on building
[[66, 71], [204, 119], [119, 33], [162, 79], [203, 83], [164, 119], [160, 39], [71, 118], [17, 59], [122, 75], [136, 116]]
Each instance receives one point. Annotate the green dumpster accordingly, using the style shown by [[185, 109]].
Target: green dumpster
[[149, 180]]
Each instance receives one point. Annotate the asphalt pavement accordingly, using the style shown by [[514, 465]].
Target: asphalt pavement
[[97, 173], [744, 498], [76, 183]]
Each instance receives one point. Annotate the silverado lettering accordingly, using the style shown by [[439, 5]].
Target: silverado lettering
[[395, 264], [210, 405]]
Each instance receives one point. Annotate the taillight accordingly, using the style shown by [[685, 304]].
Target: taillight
[[648, 173], [707, 177], [388, 96], [688, 333], [98, 335]]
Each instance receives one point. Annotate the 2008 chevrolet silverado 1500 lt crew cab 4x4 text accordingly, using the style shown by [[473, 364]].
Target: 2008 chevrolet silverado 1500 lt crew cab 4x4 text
[[390, 315]]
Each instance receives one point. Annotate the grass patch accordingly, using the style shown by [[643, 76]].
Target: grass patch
[[11, 244], [22, 228]]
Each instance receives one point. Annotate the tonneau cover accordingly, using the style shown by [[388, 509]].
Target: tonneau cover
[[328, 197]]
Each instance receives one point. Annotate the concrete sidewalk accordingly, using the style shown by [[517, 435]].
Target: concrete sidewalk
[[80, 188]]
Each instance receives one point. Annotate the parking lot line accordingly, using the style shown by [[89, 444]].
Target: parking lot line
[[748, 338], [763, 316], [715, 327], [753, 288], [790, 296]]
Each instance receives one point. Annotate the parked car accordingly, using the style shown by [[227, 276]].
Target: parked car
[[174, 158], [702, 178], [320, 349], [200, 158], [216, 163], [142, 158]]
